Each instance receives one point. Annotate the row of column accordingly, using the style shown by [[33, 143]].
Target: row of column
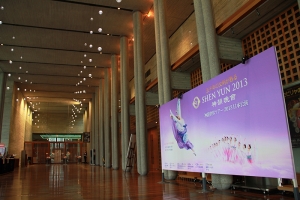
[[105, 125]]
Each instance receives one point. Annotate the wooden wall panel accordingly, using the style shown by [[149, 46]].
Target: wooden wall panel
[[223, 9], [282, 32]]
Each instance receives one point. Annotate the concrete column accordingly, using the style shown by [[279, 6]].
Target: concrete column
[[140, 93], [7, 112], [107, 135], [93, 138], [89, 123], [136, 106], [2, 95], [211, 40], [101, 123], [163, 63], [212, 69], [96, 126], [28, 124], [165, 54], [202, 41], [124, 99], [158, 53], [114, 111]]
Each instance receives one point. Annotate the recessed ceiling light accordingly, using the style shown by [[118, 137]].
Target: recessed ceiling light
[[100, 12]]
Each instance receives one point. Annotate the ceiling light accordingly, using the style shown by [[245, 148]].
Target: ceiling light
[[13, 37], [85, 44], [118, 8], [91, 32], [7, 88], [84, 67], [91, 46], [9, 75], [10, 62], [21, 57], [0, 22], [99, 30], [90, 60], [20, 67], [12, 49], [26, 72], [118, 1], [92, 19], [84, 79], [100, 12], [99, 48], [84, 55]]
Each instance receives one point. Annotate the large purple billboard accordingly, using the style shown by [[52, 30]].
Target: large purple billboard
[[233, 124]]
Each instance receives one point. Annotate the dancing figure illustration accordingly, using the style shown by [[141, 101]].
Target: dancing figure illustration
[[180, 130]]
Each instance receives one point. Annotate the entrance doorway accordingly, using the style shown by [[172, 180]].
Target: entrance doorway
[[38, 151]]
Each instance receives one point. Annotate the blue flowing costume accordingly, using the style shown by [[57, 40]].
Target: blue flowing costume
[[180, 130]]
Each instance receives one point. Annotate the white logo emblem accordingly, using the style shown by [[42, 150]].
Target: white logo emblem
[[196, 102]]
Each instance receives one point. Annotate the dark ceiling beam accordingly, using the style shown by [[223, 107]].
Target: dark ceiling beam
[[60, 29], [94, 5], [59, 64]]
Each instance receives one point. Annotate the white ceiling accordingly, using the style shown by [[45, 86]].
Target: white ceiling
[[48, 41]]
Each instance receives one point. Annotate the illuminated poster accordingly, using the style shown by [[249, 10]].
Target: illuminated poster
[[234, 124], [292, 100]]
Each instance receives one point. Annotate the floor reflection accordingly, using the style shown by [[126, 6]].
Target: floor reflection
[[83, 181]]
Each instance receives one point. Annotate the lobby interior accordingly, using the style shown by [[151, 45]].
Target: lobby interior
[[67, 65]]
